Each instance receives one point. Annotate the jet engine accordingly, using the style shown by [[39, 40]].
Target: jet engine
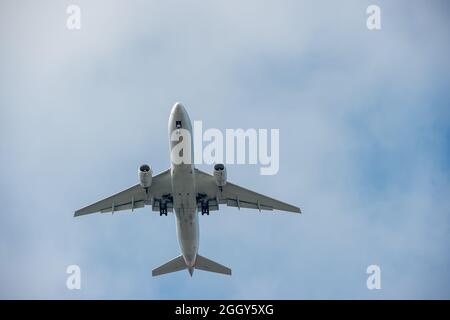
[[145, 176], [220, 174]]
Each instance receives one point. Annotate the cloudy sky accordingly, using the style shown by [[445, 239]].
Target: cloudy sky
[[364, 145]]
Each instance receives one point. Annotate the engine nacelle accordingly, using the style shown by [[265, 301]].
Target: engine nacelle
[[220, 174], [145, 176]]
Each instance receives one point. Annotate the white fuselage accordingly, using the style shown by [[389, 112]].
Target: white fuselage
[[184, 189]]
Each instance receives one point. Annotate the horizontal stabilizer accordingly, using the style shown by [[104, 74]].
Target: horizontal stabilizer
[[202, 263], [173, 265]]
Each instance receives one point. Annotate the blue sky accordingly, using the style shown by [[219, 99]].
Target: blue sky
[[364, 145]]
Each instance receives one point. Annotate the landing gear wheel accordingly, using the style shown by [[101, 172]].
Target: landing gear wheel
[[205, 210], [163, 211]]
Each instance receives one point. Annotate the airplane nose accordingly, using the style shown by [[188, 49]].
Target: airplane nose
[[178, 108], [179, 118]]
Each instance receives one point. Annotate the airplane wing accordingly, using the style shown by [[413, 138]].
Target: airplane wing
[[158, 194], [235, 196]]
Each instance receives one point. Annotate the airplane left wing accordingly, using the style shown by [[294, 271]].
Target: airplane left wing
[[158, 195], [235, 196]]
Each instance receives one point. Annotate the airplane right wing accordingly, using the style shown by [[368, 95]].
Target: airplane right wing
[[235, 196], [158, 195]]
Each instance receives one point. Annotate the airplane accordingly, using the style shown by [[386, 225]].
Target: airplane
[[187, 191]]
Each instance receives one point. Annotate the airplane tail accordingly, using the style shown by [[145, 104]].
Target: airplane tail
[[173, 265], [205, 264], [201, 263]]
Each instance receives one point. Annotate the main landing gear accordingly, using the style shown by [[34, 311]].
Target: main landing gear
[[205, 208], [163, 210]]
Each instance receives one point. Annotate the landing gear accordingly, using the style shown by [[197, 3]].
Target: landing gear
[[163, 210], [165, 199], [205, 208]]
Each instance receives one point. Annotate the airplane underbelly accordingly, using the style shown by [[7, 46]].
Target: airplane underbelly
[[185, 206], [183, 187], [188, 233]]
